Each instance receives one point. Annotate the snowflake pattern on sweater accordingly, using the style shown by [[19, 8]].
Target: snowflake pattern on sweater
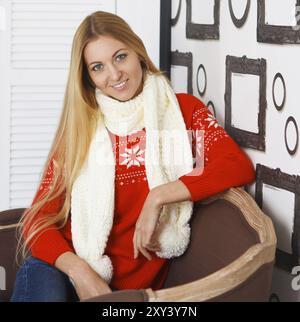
[[133, 156], [130, 157]]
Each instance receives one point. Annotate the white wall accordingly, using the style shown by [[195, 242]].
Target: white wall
[[277, 203], [144, 18]]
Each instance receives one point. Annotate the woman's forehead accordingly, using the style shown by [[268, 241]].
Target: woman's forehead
[[103, 46]]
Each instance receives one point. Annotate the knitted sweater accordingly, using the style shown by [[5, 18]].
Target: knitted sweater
[[225, 166]]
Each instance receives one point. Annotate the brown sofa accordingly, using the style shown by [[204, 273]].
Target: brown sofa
[[230, 256]]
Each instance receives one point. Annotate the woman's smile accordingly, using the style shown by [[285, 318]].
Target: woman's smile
[[121, 86]]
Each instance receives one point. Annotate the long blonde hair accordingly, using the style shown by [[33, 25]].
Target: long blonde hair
[[76, 127]]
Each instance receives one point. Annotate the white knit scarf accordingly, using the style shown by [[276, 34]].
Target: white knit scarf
[[92, 205]]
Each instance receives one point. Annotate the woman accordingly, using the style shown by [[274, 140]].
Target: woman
[[115, 199]]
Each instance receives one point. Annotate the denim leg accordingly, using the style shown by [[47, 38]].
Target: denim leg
[[37, 281]]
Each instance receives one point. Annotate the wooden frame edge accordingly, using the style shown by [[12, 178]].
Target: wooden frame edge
[[7, 227]]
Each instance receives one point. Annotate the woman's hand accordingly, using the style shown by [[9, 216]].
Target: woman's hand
[[88, 283], [174, 191], [145, 226]]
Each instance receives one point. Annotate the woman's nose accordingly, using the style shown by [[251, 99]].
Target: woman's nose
[[114, 73]]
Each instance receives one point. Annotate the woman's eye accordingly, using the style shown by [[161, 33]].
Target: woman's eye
[[121, 57], [98, 67], [95, 68]]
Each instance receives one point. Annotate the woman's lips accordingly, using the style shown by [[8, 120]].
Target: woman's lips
[[120, 86]]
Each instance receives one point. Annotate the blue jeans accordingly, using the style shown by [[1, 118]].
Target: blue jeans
[[37, 281]]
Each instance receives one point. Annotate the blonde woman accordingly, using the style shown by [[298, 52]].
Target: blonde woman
[[116, 195]]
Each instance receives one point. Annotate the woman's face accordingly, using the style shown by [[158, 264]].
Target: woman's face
[[114, 68]]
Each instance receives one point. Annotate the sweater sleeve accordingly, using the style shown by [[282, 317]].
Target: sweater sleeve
[[49, 243], [224, 164]]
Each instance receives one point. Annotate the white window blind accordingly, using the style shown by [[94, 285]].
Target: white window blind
[[35, 48]]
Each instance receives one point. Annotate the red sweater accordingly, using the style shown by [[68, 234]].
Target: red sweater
[[225, 166]]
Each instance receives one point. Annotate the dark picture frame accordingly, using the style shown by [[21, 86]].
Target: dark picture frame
[[274, 34], [292, 120], [279, 107], [202, 31], [201, 92], [291, 183], [185, 60], [239, 22], [244, 65], [176, 18]]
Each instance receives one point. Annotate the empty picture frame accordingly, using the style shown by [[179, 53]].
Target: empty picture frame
[[176, 18], [293, 150], [291, 183], [201, 90], [244, 65], [210, 105], [274, 34], [203, 31], [280, 106], [186, 60], [239, 22]]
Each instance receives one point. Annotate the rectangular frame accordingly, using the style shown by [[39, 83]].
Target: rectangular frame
[[186, 60], [244, 65], [275, 34], [202, 31], [291, 183]]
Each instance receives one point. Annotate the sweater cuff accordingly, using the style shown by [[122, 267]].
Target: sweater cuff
[[184, 179], [49, 246]]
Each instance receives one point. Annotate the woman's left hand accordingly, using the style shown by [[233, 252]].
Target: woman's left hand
[[145, 226]]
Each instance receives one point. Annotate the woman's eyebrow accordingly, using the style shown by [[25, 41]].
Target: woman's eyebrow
[[112, 57]]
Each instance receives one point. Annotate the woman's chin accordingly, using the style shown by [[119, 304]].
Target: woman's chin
[[122, 97]]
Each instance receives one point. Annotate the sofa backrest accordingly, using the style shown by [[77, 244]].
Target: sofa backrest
[[8, 244], [219, 235]]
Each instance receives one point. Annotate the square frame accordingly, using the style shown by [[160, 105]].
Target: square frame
[[202, 31], [244, 65], [186, 60], [273, 34], [291, 183]]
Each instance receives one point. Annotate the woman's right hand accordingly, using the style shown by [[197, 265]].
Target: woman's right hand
[[86, 281]]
